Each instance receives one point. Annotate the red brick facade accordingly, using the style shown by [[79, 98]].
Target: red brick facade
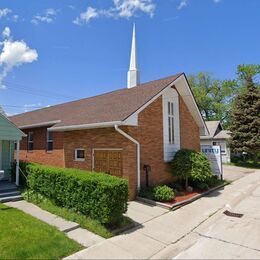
[[189, 130], [40, 153], [149, 133]]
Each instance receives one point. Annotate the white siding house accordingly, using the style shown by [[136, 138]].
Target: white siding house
[[217, 136]]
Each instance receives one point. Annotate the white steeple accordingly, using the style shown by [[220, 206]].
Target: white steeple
[[133, 77]]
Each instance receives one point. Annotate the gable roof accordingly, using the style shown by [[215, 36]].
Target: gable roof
[[212, 127], [223, 134], [8, 130], [115, 106], [213, 133]]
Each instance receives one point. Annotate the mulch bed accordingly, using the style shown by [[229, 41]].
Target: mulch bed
[[184, 196], [182, 199]]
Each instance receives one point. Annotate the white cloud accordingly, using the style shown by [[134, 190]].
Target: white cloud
[[28, 107], [182, 4], [71, 7], [13, 54], [86, 16], [4, 12], [47, 17], [15, 18], [120, 9], [127, 8], [6, 33]]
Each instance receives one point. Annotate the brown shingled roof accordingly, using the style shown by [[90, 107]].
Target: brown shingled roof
[[112, 106]]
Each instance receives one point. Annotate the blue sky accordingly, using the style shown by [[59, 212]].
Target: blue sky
[[75, 49]]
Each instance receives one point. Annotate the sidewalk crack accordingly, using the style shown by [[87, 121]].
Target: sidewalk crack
[[227, 242]]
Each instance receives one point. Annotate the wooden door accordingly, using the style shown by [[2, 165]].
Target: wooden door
[[108, 161]]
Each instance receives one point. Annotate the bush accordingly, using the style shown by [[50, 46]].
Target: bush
[[100, 196], [213, 181], [202, 186], [163, 193], [191, 164]]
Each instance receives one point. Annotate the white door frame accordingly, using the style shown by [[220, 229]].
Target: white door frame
[[102, 149]]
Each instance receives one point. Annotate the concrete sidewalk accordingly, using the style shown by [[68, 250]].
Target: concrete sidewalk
[[233, 173], [72, 229], [159, 231]]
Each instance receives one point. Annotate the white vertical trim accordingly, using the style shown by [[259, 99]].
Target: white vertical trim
[[171, 95], [137, 151], [17, 162]]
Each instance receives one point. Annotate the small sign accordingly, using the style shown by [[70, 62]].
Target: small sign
[[213, 153]]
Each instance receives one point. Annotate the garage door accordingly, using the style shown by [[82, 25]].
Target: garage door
[[108, 161]]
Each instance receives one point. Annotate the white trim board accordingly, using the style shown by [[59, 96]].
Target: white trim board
[[171, 95]]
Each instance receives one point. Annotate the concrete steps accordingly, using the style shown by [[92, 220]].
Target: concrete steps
[[9, 192]]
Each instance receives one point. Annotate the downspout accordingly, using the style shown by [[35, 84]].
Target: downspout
[[137, 151]]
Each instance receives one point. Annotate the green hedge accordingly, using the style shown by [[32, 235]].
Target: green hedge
[[100, 196]]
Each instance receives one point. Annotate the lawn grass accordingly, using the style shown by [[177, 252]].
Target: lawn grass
[[84, 221], [23, 236]]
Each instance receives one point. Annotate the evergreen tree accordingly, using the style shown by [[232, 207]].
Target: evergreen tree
[[245, 133]]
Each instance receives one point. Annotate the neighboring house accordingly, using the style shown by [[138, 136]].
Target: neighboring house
[[9, 134], [217, 136], [118, 132]]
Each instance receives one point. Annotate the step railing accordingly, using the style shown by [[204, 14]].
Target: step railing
[[26, 179]]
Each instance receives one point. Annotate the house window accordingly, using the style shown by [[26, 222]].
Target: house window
[[79, 155], [15, 145], [171, 122], [30, 141], [49, 141]]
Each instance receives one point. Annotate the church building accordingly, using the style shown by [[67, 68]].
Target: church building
[[125, 133]]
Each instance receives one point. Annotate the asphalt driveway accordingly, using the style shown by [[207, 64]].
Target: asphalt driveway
[[197, 230]]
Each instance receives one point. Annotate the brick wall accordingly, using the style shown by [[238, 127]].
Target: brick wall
[[190, 134], [150, 135], [101, 138], [39, 153]]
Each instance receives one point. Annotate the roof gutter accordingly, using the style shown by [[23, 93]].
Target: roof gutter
[[42, 124], [84, 126], [137, 151]]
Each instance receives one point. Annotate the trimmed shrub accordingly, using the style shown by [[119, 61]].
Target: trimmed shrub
[[191, 164], [100, 196], [163, 193]]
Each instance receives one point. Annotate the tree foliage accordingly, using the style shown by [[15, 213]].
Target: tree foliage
[[189, 164], [214, 97], [245, 134]]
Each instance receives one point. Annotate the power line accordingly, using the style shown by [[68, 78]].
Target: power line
[[34, 91]]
